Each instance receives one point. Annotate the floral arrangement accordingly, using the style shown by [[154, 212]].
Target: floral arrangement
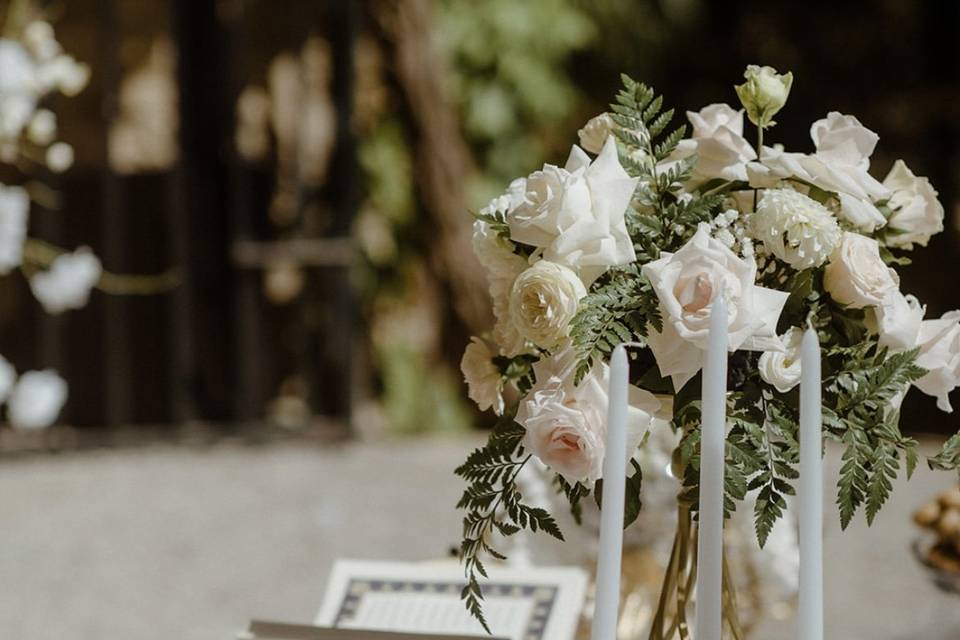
[[631, 240]]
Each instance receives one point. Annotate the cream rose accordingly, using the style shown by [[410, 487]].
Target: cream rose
[[566, 424], [856, 275], [576, 214], [939, 343], [782, 368], [484, 382], [686, 283], [594, 134], [718, 142], [896, 321], [917, 214], [543, 301]]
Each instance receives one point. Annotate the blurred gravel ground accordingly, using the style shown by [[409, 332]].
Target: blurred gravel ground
[[160, 543]]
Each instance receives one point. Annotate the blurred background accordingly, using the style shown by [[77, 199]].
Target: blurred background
[[304, 171], [307, 171]]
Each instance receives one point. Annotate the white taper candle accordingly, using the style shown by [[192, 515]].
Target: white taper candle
[[810, 494], [607, 598], [712, 439]]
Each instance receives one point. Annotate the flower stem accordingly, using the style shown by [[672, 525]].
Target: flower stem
[[759, 159]]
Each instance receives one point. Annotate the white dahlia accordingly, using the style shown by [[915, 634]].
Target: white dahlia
[[795, 228]]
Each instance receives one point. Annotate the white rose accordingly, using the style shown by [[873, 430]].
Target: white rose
[[686, 283], [918, 213], [764, 93], [940, 355], [862, 214], [566, 423], [502, 266], [594, 134], [37, 399], [856, 275], [68, 281], [840, 163], [844, 140], [718, 142], [896, 321], [543, 301], [484, 382], [576, 214], [14, 209], [508, 200], [782, 368]]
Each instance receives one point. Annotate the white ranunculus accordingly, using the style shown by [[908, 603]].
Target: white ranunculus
[[484, 382], [939, 343], [68, 281], [686, 283], [896, 321], [718, 142], [8, 377], [36, 400], [782, 368], [576, 213], [856, 274], [840, 163], [566, 423], [502, 266], [594, 134], [918, 213], [543, 301], [14, 210], [764, 93], [797, 229]]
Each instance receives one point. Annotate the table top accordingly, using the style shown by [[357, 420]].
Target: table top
[[162, 542]]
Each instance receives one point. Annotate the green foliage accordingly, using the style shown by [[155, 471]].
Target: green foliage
[[418, 396], [508, 79], [494, 505], [948, 459], [761, 453], [860, 382], [632, 499], [657, 219], [574, 493], [618, 310]]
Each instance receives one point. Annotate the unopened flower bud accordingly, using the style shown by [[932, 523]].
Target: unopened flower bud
[[764, 93]]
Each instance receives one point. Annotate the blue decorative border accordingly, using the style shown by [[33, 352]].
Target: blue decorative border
[[543, 597]]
